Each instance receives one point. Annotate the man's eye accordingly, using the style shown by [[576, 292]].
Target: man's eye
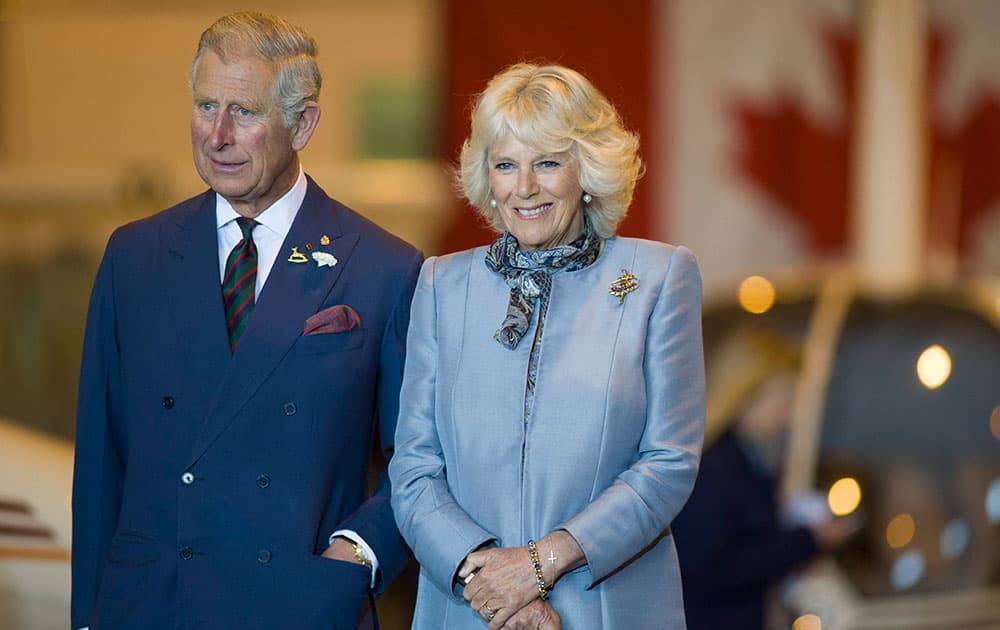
[[244, 112], [206, 107]]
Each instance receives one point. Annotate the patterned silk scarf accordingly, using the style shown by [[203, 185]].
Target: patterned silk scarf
[[528, 273]]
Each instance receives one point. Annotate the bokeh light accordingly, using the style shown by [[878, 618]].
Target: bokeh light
[[934, 367], [900, 531], [954, 539], [844, 496], [907, 570], [995, 422], [807, 622], [993, 502], [756, 295]]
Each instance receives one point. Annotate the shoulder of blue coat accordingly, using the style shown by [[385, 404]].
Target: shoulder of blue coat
[[646, 252], [145, 230], [450, 267]]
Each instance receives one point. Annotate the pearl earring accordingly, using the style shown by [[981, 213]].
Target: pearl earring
[[587, 198], [493, 203]]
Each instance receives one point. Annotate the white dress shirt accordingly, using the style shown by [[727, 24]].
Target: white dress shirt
[[268, 235]]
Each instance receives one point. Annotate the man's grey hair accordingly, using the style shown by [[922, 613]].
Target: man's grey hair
[[290, 48]]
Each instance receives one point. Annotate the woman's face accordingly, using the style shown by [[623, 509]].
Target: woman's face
[[538, 195]]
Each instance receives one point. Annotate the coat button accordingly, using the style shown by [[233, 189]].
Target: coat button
[[263, 556], [290, 409], [187, 479], [186, 553], [263, 481], [168, 402]]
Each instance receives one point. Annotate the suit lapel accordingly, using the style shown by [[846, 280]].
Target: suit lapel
[[192, 276], [293, 292]]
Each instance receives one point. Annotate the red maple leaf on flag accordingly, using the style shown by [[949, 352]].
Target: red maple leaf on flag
[[963, 182], [802, 164]]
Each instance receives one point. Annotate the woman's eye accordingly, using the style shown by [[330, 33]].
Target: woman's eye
[[503, 166], [548, 164]]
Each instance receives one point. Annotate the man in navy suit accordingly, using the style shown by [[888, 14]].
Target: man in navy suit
[[243, 349]]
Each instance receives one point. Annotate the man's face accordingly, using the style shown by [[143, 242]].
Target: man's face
[[241, 146]]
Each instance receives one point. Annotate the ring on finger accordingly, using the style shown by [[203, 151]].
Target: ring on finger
[[490, 613]]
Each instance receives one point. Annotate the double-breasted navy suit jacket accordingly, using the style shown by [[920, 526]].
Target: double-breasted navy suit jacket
[[206, 482]]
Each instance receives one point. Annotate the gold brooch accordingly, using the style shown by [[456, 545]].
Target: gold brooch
[[623, 285], [325, 240], [297, 256]]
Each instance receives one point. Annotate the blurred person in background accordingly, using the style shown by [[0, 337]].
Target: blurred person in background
[[552, 407], [242, 350], [735, 537]]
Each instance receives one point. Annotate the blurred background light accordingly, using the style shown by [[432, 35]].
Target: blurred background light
[[844, 496], [907, 570], [807, 622], [954, 539], [934, 367], [993, 502], [756, 295], [900, 531]]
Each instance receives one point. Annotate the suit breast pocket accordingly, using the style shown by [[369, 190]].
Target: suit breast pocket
[[332, 342]]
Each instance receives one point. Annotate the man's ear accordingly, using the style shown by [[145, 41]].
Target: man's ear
[[305, 125]]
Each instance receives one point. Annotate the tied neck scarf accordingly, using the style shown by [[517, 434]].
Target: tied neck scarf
[[528, 273]]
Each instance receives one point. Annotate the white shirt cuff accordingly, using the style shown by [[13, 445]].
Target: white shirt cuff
[[353, 537]]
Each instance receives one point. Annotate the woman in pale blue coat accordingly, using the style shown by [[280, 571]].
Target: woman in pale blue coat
[[552, 407]]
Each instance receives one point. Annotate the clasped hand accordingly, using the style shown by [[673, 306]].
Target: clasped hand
[[503, 590]]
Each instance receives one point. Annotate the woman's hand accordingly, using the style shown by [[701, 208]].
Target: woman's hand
[[537, 615], [504, 584]]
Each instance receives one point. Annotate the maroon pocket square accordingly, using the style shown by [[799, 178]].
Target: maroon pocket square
[[336, 319]]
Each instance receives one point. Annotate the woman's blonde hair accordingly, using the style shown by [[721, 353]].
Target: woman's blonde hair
[[553, 109]]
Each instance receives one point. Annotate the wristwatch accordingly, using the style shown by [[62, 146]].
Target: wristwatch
[[361, 556]]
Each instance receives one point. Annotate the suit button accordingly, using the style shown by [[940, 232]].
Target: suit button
[[187, 479], [290, 409], [263, 481], [263, 556], [186, 553], [168, 402]]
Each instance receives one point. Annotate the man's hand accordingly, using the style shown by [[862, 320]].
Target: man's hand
[[341, 549], [537, 615]]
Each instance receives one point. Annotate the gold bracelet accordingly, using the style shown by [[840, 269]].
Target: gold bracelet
[[543, 590]]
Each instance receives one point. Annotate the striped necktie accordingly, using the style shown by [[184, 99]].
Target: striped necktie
[[239, 282]]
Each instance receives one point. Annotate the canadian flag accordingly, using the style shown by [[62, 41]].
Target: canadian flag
[[748, 114]]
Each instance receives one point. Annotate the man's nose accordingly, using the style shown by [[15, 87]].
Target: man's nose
[[222, 129]]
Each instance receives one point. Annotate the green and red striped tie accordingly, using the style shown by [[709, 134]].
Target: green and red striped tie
[[239, 282]]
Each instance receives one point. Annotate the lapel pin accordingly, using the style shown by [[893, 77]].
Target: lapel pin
[[309, 246], [623, 285], [324, 259], [325, 240], [297, 256]]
